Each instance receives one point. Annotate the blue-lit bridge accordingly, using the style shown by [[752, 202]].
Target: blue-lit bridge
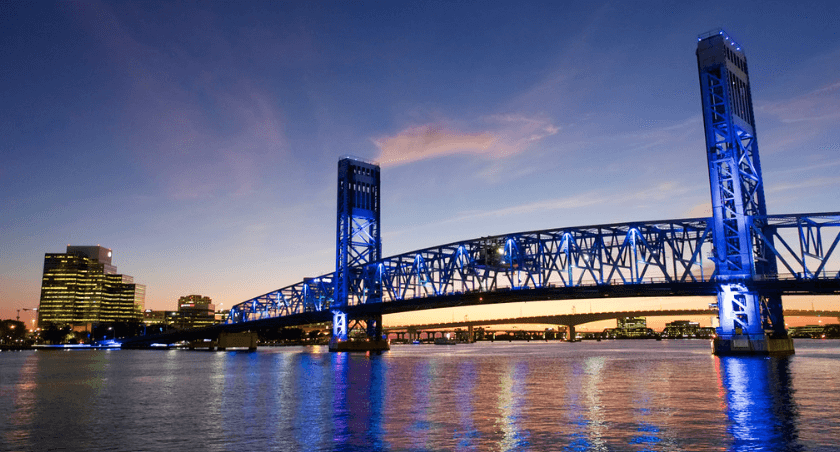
[[742, 255], [620, 260]]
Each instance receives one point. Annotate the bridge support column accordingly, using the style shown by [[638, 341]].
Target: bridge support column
[[570, 333], [470, 334], [370, 339], [237, 340], [358, 245], [741, 330], [743, 243]]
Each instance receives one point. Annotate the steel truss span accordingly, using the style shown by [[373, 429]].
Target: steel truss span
[[803, 247]]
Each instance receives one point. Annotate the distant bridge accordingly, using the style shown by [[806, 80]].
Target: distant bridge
[[587, 317]]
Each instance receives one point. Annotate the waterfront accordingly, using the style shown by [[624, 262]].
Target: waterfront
[[610, 395]]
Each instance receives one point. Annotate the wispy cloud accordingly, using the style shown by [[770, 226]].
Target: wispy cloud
[[195, 123], [600, 197], [807, 183], [501, 136], [820, 106]]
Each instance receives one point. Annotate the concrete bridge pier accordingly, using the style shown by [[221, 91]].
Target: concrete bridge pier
[[570, 333], [246, 339], [370, 341]]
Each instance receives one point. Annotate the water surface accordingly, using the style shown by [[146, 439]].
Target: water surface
[[598, 396]]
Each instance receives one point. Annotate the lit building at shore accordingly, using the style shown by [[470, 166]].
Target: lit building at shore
[[195, 311], [82, 287]]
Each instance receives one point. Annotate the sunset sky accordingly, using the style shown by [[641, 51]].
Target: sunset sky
[[199, 141]]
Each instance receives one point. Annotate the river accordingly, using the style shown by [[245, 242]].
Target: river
[[600, 396]]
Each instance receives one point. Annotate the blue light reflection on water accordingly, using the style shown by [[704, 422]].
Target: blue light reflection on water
[[465, 433], [512, 395], [760, 403], [358, 397], [635, 396]]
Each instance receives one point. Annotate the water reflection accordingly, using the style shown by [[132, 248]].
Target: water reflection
[[511, 398], [465, 434], [358, 401], [314, 388], [760, 403], [580, 397]]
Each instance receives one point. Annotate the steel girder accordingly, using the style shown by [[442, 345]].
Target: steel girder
[[737, 191], [630, 253], [358, 241], [309, 295], [627, 253], [734, 174], [804, 245]]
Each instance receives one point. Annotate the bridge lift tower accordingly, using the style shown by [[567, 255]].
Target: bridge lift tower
[[358, 244], [750, 322]]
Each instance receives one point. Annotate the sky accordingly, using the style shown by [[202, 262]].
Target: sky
[[200, 140]]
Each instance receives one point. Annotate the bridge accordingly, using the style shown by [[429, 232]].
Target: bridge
[[574, 319], [742, 255]]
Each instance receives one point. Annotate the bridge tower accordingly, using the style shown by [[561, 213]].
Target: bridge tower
[[358, 244], [750, 322]]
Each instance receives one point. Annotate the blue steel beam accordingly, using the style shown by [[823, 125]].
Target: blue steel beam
[[358, 242], [673, 251], [742, 247]]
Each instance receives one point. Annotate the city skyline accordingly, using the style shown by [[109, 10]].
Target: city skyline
[[200, 142]]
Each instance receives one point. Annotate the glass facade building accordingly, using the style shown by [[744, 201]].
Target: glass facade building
[[81, 286]]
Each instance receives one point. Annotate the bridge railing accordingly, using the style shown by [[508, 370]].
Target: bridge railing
[[673, 251]]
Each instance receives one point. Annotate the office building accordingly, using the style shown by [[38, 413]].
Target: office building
[[629, 323], [195, 311], [82, 287]]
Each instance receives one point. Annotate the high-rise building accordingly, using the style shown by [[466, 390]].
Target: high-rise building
[[81, 286]]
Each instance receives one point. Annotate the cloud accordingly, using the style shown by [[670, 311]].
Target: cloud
[[503, 136], [601, 197], [430, 141], [192, 159], [195, 122], [819, 106], [704, 209], [808, 183]]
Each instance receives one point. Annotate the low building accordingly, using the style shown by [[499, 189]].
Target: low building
[[630, 323], [814, 331], [681, 328], [195, 311], [152, 317]]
